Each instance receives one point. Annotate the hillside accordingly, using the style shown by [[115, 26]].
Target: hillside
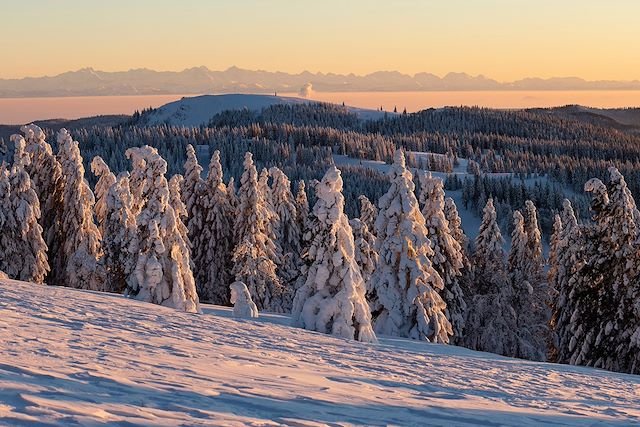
[[80, 357], [198, 110]]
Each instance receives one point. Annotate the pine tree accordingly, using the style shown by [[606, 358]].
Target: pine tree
[[105, 180], [368, 212], [163, 272], [405, 286], [23, 251], [491, 323], [81, 236], [216, 251], [255, 251], [332, 299], [447, 256], [45, 172], [120, 240]]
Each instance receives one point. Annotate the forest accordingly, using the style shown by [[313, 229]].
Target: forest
[[352, 250]]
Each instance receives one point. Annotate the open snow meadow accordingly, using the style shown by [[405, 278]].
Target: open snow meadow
[[73, 357]]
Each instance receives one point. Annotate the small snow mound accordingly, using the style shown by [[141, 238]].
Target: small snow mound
[[243, 305]]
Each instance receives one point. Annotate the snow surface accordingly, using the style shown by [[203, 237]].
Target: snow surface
[[198, 110], [78, 357]]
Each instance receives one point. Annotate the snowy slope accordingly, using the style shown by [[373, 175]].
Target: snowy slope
[[70, 357], [198, 110]]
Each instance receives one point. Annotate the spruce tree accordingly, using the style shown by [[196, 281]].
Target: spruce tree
[[302, 207], [368, 212], [530, 344], [105, 180], [491, 322], [23, 251], [175, 200], [332, 299], [163, 272], [569, 251], [447, 256], [191, 194], [120, 240], [288, 232], [365, 253], [215, 253], [405, 287], [45, 172], [255, 253], [82, 246]]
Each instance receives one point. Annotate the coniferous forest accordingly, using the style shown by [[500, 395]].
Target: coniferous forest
[[281, 210]]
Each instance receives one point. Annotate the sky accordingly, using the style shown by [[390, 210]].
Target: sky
[[502, 39]]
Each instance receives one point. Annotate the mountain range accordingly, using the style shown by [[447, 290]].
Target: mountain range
[[198, 80]]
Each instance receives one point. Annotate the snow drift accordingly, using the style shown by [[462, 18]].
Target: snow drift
[[70, 356]]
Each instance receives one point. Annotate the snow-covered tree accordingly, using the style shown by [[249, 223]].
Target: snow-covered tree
[[255, 253], [23, 251], [530, 343], [288, 232], [368, 212], [215, 252], [332, 299], [554, 243], [455, 226], [405, 287], [605, 318], [137, 179], [45, 172], [365, 253], [302, 206], [106, 179], [534, 270], [491, 321], [624, 237], [119, 240], [286, 225], [231, 192], [447, 258], [568, 262], [243, 306], [81, 236], [175, 200], [163, 272], [191, 194]]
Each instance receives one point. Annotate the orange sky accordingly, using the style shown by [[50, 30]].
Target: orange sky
[[502, 39]]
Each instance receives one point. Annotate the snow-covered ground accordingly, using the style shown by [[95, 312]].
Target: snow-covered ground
[[70, 357], [198, 110]]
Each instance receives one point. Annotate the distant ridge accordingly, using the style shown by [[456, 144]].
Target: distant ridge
[[143, 81], [198, 110]]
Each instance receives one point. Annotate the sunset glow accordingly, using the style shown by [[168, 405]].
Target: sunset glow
[[502, 39]]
